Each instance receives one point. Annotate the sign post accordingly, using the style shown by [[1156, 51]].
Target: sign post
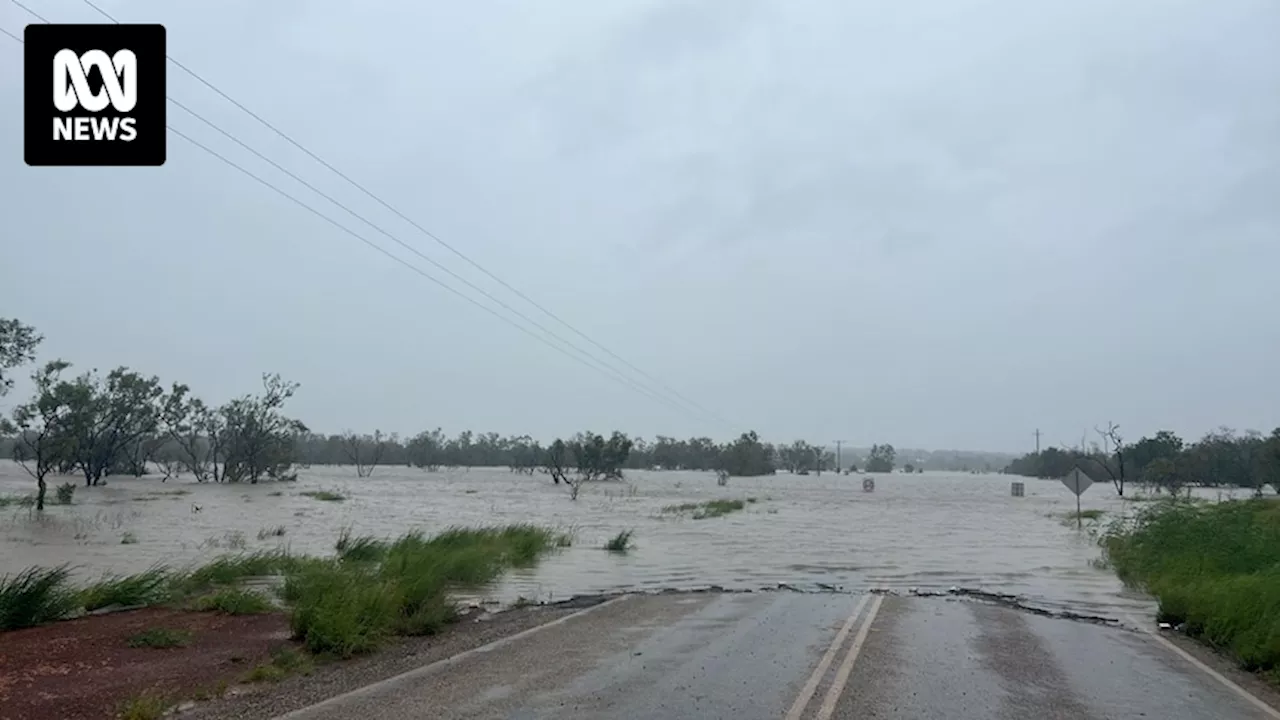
[[1077, 482]]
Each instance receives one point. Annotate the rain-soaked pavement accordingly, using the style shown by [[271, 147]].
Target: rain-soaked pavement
[[800, 656]]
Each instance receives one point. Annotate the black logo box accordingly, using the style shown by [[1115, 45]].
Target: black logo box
[[42, 42]]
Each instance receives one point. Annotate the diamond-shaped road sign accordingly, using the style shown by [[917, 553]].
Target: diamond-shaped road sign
[[1077, 482]]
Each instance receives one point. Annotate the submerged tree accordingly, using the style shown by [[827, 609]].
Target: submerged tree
[[41, 425], [364, 451]]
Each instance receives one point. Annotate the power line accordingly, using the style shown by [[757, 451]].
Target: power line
[[407, 246], [589, 361], [285, 136]]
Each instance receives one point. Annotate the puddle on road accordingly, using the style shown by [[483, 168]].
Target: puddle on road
[[930, 532]]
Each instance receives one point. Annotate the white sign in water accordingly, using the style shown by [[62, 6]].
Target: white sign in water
[[1077, 482]]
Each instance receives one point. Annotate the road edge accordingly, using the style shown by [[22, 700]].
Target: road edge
[[437, 665]]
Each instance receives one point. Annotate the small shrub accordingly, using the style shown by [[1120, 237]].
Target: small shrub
[[35, 596], [64, 493], [325, 495], [128, 539], [277, 531], [147, 706], [621, 542], [234, 601], [359, 549], [160, 638], [340, 609], [153, 587]]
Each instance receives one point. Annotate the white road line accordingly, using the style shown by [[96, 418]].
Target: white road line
[[846, 667], [1231, 685], [811, 686], [433, 667]]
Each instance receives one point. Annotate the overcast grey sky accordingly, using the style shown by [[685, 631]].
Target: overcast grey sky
[[936, 223]]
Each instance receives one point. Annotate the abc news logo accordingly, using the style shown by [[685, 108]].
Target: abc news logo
[[108, 101]]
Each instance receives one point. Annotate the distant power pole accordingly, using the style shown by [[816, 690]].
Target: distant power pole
[[1037, 441], [839, 466]]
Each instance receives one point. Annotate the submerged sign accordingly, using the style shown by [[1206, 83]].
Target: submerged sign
[[1077, 482]]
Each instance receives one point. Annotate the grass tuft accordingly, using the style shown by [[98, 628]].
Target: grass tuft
[[325, 495], [270, 532], [35, 596], [231, 569], [704, 510], [621, 542], [1214, 568], [161, 638], [147, 706], [285, 661], [234, 601], [128, 538], [376, 588], [364, 548], [153, 587]]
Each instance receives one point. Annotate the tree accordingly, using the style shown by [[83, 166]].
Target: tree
[[908, 468], [17, 348], [41, 427], [881, 459], [259, 439], [364, 451], [746, 457], [198, 431], [1111, 437], [426, 449], [109, 415]]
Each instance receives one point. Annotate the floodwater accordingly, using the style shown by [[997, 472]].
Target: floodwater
[[929, 531]]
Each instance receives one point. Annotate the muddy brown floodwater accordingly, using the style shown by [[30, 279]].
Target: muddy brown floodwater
[[930, 531]]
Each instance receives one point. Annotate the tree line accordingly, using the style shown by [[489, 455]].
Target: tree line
[[128, 423], [1165, 462]]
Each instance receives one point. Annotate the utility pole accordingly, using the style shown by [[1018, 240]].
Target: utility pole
[[818, 452], [1037, 441], [839, 465]]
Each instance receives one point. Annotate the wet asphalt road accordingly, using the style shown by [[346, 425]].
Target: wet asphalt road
[[793, 656]]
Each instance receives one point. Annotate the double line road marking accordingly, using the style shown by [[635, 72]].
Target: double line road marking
[[828, 706]]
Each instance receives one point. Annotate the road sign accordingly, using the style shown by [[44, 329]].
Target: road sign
[[1077, 482]]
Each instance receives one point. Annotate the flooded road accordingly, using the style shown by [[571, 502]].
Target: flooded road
[[931, 531]]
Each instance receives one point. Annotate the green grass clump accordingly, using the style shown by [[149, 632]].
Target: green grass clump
[[359, 549], [153, 587], [161, 638], [147, 706], [1215, 568], [234, 601], [270, 532], [620, 543], [35, 596], [340, 609], [708, 509], [231, 569], [324, 495], [285, 661], [375, 588]]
